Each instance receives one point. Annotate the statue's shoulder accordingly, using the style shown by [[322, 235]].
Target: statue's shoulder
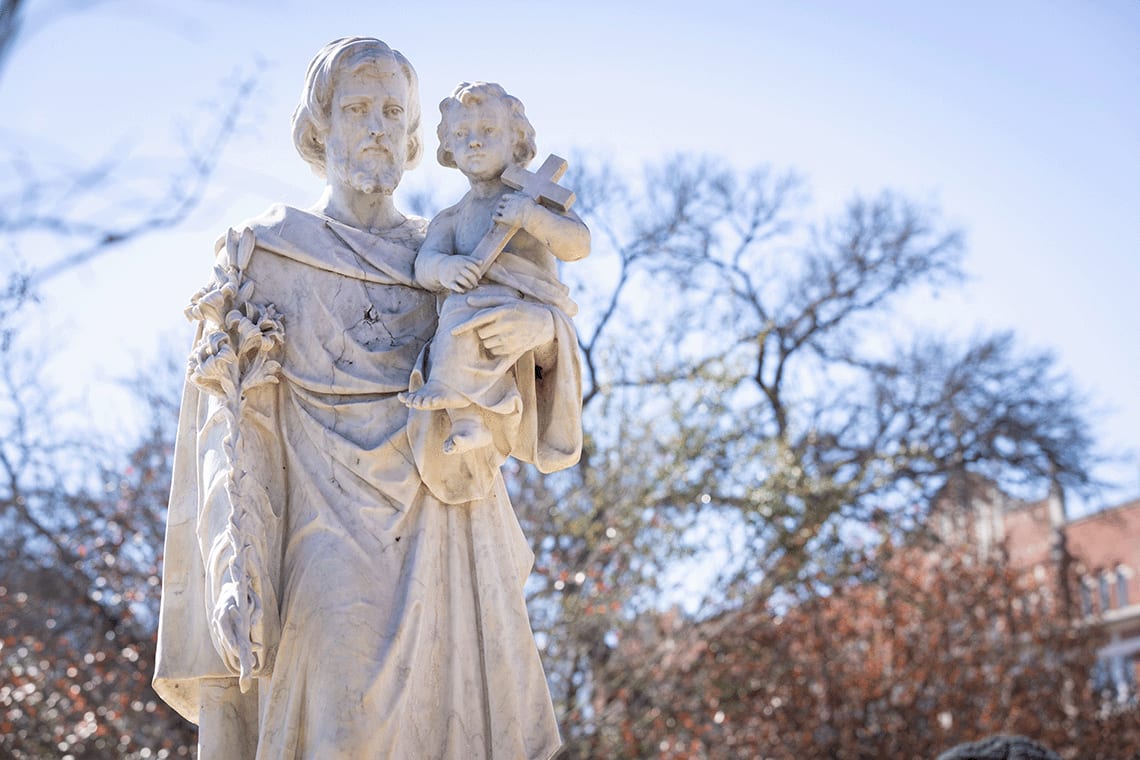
[[313, 239], [449, 214], [279, 221], [279, 216]]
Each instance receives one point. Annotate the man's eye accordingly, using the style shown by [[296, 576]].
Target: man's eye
[[489, 130], [356, 108], [393, 111]]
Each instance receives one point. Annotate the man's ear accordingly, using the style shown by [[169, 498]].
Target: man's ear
[[415, 151]]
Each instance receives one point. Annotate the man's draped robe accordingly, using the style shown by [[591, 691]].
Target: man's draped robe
[[397, 627]]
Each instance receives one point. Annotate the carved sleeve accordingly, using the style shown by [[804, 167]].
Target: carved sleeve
[[235, 364]]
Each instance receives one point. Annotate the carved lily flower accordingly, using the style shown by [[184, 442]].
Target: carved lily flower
[[245, 246], [272, 332], [246, 291], [223, 274], [252, 311], [216, 343], [233, 318], [212, 363], [246, 334], [192, 311], [232, 292], [239, 246], [210, 306]]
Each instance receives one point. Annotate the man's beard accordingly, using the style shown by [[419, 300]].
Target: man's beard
[[380, 175], [372, 172]]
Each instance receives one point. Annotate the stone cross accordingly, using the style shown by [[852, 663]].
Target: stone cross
[[541, 186]]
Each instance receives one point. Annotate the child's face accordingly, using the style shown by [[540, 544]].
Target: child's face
[[480, 140]]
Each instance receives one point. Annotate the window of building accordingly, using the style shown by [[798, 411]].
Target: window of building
[[1102, 679], [1114, 679], [1086, 600], [1129, 677], [1105, 599], [1121, 588]]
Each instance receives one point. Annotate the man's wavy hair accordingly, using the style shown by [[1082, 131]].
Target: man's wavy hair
[[473, 93], [311, 119]]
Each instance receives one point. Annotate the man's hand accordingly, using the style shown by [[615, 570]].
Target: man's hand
[[508, 326], [458, 273], [515, 210], [230, 631]]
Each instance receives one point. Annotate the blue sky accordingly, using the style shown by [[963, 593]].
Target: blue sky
[[1020, 120]]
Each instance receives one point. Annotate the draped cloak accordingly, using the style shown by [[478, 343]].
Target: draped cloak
[[397, 626]]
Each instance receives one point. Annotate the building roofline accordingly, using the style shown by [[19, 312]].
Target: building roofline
[[1126, 506]]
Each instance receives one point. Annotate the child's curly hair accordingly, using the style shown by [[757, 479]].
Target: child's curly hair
[[473, 93]]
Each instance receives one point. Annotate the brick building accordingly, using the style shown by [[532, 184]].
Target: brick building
[[1101, 551]]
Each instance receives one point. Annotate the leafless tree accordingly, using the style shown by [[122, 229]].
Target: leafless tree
[[752, 405], [81, 521], [9, 26]]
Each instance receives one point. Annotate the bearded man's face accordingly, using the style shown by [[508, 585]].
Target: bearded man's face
[[367, 142]]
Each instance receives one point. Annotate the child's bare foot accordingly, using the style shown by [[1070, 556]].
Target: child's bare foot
[[432, 396], [466, 434]]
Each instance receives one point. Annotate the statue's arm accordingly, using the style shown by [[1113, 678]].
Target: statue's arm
[[437, 267], [240, 461], [239, 529], [549, 375], [506, 325], [562, 232]]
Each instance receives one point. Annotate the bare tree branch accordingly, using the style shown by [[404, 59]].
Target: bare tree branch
[[9, 27], [185, 192]]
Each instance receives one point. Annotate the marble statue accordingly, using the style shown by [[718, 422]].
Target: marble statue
[[344, 572], [484, 132]]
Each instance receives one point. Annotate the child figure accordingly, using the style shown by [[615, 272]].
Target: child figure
[[483, 131]]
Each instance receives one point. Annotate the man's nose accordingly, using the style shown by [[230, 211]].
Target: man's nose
[[474, 143], [376, 127]]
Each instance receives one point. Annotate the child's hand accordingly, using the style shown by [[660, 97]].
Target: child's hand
[[458, 273], [514, 210]]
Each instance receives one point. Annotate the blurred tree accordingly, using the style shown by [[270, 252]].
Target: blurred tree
[[55, 217], [81, 545], [81, 526], [751, 406], [9, 26], [944, 646]]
